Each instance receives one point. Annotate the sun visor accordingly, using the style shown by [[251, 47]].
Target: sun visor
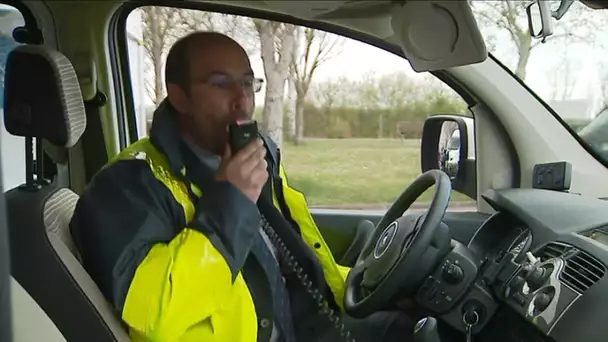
[[437, 35]]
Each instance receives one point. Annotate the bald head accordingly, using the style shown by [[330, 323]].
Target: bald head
[[195, 45], [210, 83]]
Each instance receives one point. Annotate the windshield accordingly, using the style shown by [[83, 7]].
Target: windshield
[[569, 71]]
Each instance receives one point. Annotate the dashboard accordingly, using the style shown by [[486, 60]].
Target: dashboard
[[543, 254]]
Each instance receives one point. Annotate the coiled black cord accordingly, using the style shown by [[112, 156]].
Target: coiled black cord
[[316, 295]]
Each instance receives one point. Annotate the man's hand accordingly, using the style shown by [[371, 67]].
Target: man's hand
[[246, 170]]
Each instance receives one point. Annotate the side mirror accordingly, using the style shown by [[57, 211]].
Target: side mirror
[[448, 144]]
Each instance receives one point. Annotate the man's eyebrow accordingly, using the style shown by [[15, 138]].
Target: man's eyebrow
[[223, 73], [217, 72]]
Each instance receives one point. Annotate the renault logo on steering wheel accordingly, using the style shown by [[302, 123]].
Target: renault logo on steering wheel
[[385, 239]]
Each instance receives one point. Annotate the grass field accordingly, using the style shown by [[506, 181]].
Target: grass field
[[355, 173]]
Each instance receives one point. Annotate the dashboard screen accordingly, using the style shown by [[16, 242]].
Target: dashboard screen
[[599, 236]]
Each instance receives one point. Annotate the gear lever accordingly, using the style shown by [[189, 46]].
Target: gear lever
[[426, 330]]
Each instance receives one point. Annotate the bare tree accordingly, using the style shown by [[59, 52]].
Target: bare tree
[[276, 44], [326, 94], [338, 92], [603, 89], [236, 27], [292, 92], [317, 48], [562, 78], [388, 95], [158, 35], [510, 15]]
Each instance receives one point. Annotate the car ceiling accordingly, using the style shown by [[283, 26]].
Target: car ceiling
[[370, 17]]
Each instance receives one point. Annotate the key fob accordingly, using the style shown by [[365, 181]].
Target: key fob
[[241, 133]]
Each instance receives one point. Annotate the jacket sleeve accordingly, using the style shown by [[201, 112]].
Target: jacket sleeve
[[153, 263]]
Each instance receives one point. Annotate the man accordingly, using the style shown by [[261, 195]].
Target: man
[[170, 229]]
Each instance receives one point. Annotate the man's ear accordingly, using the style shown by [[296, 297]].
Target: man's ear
[[178, 98]]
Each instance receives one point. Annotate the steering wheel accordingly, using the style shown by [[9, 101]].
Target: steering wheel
[[403, 249]]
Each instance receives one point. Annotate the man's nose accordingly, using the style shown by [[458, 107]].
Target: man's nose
[[240, 99]]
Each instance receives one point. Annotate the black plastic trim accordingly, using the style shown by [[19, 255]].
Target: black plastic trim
[[34, 36], [120, 77], [428, 152]]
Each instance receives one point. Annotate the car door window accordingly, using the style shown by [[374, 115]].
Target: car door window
[[349, 121]]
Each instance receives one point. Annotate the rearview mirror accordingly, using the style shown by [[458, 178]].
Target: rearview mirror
[[448, 144], [541, 14], [540, 22]]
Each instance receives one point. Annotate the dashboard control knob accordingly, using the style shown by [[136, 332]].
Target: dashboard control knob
[[453, 274], [537, 277], [517, 283], [542, 301]]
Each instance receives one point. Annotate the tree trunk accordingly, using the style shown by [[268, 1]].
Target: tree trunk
[[292, 91], [158, 80], [276, 75], [291, 107], [380, 125], [300, 121], [157, 55], [273, 108], [524, 49], [272, 124]]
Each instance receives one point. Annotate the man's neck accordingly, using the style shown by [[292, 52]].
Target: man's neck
[[206, 157], [205, 142]]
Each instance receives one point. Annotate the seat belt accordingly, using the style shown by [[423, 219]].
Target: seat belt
[[93, 140]]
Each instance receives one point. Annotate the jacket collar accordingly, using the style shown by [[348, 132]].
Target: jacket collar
[[166, 136]]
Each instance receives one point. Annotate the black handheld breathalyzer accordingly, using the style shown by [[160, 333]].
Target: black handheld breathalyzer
[[241, 133]]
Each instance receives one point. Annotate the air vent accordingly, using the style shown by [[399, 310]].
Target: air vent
[[553, 250], [581, 270]]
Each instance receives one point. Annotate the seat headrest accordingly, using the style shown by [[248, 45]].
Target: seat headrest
[[42, 97]]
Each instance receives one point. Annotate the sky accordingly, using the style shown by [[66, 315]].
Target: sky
[[354, 60]]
